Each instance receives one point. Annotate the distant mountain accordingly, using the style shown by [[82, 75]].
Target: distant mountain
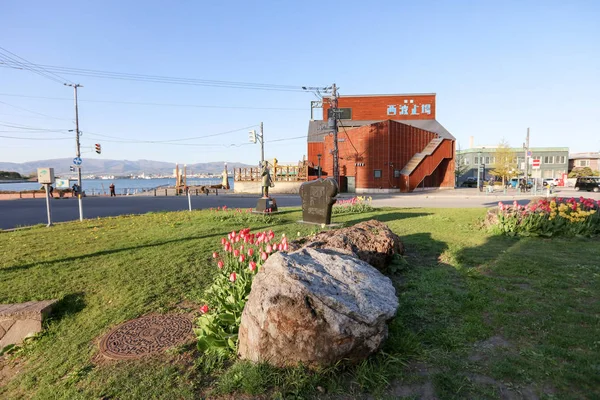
[[117, 167]]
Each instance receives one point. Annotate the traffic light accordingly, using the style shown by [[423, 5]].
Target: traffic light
[[72, 168], [98, 148], [252, 136]]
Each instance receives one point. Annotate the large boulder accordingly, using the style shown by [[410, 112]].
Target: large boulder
[[316, 307], [371, 241]]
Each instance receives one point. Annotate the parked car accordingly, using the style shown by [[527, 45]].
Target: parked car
[[516, 182], [589, 183], [550, 181], [470, 182]]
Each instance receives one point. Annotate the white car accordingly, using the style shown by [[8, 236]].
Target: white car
[[550, 182]]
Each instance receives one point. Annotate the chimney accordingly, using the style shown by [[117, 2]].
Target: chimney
[[471, 142]]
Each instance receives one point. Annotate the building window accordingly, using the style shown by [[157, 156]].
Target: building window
[[560, 159], [548, 160], [466, 161], [396, 173], [377, 173], [476, 160], [583, 163], [487, 160]]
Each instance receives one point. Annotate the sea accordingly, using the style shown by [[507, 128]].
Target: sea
[[122, 186]]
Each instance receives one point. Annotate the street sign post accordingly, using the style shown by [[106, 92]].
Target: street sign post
[[77, 161], [536, 164], [46, 177]]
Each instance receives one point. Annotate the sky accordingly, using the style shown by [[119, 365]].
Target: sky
[[497, 68]]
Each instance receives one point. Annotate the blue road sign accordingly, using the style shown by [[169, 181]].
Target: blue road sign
[[77, 161]]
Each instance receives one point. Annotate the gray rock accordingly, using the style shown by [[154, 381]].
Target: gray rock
[[317, 307]]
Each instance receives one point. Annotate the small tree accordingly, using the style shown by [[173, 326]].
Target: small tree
[[506, 161], [459, 167], [582, 171]]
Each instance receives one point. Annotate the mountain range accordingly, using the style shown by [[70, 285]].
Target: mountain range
[[117, 167]]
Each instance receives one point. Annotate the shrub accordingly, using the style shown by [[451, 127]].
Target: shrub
[[549, 217], [355, 205], [243, 255]]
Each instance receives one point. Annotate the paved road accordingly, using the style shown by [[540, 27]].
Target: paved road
[[25, 212]]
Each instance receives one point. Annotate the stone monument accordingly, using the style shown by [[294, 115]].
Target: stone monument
[[318, 197], [266, 204]]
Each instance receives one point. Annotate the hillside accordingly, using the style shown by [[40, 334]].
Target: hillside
[[115, 167]]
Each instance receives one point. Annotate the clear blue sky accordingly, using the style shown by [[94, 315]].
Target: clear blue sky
[[497, 68]]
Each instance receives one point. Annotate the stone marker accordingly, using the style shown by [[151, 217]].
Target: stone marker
[[18, 321], [317, 200], [316, 307], [371, 241]]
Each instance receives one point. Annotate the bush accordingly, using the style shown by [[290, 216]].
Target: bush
[[243, 255], [549, 217]]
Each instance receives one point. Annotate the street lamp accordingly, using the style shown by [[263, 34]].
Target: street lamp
[[319, 166]]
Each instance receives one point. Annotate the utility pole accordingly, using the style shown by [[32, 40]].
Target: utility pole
[[526, 146], [334, 114], [78, 147]]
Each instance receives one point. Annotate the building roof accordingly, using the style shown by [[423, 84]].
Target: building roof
[[580, 156], [384, 95], [318, 129], [493, 149]]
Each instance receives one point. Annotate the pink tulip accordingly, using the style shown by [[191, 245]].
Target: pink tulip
[[236, 253], [264, 256], [223, 241], [252, 266], [233, 277], [242, 258], [285, 247], [220, 264], [241, 248], [269, 248], [204, 309], [250, 252], [215, 254]]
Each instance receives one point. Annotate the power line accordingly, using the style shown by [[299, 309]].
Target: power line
[[156, 104], [28, 138], [167, 79], [31, 111], [29, 66]]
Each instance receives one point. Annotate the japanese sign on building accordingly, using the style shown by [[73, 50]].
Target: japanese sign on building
[[409, 107]]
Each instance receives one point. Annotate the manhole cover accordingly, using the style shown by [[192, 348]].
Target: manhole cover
[[146, 335]]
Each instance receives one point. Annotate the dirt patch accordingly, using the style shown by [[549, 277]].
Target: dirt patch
[[482, 350], [8, 369]]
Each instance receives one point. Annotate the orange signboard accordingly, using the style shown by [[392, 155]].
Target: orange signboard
[[381, 107]]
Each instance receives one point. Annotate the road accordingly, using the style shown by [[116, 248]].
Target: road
[[26, 212]]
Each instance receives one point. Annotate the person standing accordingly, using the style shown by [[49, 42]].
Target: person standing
[[51, 191], [112, 190]]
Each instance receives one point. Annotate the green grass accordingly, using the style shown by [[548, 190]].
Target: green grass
[[480, 315]]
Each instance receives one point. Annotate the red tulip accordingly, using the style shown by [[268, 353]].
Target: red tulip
[[233, 277], [215, 254], [264, 256], [236, 253], [220, 264], [204, 309], [242, 258], [269, 248], [252, 266], [250, 252]]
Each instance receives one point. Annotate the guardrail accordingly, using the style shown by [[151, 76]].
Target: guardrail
[[278, 174]]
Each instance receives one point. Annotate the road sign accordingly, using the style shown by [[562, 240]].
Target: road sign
[[536, 164], [77, 161], [529, 153]]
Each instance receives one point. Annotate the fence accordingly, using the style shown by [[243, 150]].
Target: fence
[[278, 174]]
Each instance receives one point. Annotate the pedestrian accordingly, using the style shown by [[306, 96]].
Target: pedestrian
[[51, 191], [75, 189], [112, 190]]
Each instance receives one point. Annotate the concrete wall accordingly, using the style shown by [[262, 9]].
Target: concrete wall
[[251, 187]]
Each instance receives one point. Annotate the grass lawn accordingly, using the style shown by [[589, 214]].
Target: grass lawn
[[480, 316]]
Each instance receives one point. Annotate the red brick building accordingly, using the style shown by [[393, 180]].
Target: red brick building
[[386, 143]]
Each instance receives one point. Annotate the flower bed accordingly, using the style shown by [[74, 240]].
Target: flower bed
[[549, 217], [243, 255], [355, 205]]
